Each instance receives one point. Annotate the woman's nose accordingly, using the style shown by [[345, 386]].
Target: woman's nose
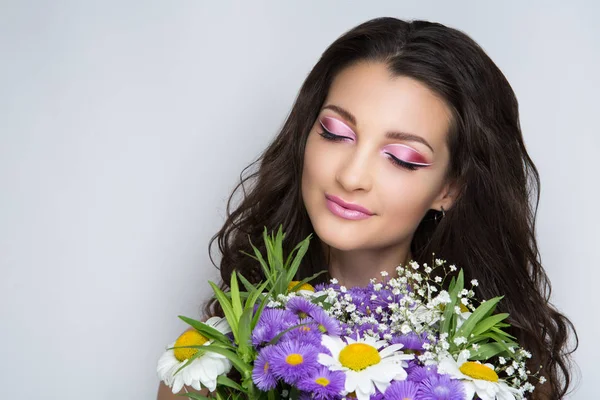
[[355, 173]]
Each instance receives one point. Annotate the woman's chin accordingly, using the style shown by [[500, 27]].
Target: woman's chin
[[344, 239]]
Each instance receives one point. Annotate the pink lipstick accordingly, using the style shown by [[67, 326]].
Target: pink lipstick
[[346, 210]]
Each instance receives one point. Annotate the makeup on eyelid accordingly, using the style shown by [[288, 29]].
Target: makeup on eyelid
[[400, 151], [336, 126], [406, 154]]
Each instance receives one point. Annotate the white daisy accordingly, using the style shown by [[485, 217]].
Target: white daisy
[[364, 365], [202, 371], [477, 378]]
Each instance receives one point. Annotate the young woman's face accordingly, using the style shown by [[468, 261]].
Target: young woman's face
[[379, 142]]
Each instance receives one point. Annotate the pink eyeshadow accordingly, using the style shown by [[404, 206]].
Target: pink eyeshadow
[[406, 153], [337, 127]]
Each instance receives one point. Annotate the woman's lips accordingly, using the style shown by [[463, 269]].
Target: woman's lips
[[346, 210]]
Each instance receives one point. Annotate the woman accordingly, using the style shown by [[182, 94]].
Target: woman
[[405, 141]]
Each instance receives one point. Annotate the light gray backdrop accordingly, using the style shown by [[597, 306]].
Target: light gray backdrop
[[124, 126]]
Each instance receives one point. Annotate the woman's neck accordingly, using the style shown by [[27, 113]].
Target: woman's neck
[[358, 267]]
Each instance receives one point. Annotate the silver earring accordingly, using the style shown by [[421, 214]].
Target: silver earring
[[443, 215]]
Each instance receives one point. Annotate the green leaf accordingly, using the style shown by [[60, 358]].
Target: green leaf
[[244, 347], [254, 296], [249, 287], [227, 309], [456, 285], [500, 340], [499, 331], [488, 323], [293, 268], [194, 396], [231, 356], [236, 303], [306, 280], [481, 312], [225, 381], [259, 311], [206, 330], [487, 351], [189, 361], [280, 334]]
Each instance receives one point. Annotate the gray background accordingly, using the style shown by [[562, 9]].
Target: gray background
[[124, 126]]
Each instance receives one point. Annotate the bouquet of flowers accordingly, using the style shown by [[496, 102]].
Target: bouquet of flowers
[[420, 335]]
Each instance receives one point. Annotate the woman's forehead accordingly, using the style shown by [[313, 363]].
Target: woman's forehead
[[381, 102]]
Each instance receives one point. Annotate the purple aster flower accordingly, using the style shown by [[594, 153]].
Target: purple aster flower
[[323, 383], [292, 360], [308, 333], [329, 285], [301, 307], [377, 396], [272, 321], [326, 324], [262, 374], [367, 328], [411, 341], [419, 374], [402, 390], [361, 298], [441, 387]]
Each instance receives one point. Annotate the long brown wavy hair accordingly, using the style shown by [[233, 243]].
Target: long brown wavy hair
[[489, 231]]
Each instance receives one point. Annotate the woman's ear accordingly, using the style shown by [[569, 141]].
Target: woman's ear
[[446, 197]]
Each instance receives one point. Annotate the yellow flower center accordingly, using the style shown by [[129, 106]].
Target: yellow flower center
[[479, 371], [322, 381], [294, 359], [188, 338], [266, 367], [358, 356], [304, 286], [463, 308]]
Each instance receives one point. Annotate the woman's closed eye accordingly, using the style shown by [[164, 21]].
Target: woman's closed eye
[[325, 134]]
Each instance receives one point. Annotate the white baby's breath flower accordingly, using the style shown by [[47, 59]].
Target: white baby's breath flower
[[442, 298], [474, 282], [460, 340]]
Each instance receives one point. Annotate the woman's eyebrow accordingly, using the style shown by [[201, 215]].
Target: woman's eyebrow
[[390, 135]]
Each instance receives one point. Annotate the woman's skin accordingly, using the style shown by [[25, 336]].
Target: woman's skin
[[359, 170]]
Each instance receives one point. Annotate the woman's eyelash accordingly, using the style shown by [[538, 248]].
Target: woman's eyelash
[[330, 136], [403, 164], [337, 138]]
